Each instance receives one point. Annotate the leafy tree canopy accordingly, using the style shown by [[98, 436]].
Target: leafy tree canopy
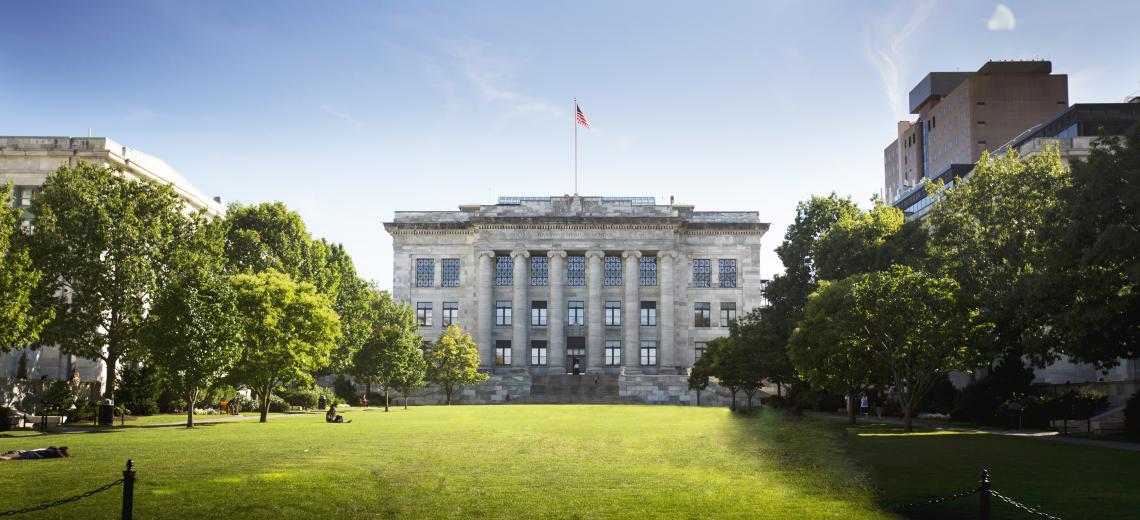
[[453, 361], [20, 323]]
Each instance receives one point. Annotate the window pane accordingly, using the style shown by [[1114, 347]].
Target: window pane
[[613, 313], [613, 352], [539, 270], [538, 313], [727, 273], [702, 272], [450, 272], [727, 313], [425, 272], [576, 270], [502, 312], [613, 270], [503, 352], [702, 314], [538, 353], [648, 314], [450, 313], [648, 265], [504, 270], [575, 314], [423, 314], [648, 353]]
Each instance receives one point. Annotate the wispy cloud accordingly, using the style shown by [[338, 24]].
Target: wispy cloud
[[340, 114], [1002, 19], [493, 76], [887, 50]]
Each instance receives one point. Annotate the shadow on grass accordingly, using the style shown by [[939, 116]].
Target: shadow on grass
[[1063, 480]]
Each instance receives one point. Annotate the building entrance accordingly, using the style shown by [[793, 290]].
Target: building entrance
[[576, 354]]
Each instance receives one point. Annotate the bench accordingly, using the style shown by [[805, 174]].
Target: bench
[[296, 408]]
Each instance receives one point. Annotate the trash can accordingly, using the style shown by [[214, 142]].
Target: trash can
[[107, 413]]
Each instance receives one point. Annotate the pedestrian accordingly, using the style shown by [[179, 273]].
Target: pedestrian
[[864, 405]]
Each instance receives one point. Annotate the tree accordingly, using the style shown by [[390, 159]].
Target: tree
[[352, 298], [864, 241], [413, 376], [453, 361], [985, 235], [20, 323], [733, 365], [700, 373], [764, 333], [192, 332], [828, 349], [387, 356], [1092, 274], [288, 330], [272, 236], [103, 241], [915, 327]]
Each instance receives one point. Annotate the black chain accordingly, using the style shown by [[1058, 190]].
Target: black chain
[[62, 501], [937, 500], [1023, 507]]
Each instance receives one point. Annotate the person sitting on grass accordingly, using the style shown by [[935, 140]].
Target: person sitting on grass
[[332, 417], [36, 454]]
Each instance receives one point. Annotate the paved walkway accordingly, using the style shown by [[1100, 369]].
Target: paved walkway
[[1047, 435]]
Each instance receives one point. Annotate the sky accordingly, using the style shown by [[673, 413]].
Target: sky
[[348, 111]]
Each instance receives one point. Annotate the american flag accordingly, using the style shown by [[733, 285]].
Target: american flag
[[581, 116]]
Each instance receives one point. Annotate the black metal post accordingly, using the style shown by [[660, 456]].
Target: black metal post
[[984, 496], [129, 490]]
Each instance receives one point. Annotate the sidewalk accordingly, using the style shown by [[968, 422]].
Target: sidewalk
[[1047, 435]]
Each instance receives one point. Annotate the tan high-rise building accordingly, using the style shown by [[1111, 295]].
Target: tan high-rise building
[[963, 114]]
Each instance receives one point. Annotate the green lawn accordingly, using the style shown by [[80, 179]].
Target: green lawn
[[469, 461], [563, 462], [1064, 480]]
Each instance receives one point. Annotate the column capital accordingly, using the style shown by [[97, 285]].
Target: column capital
[[667, 254], [523, 253], [488, 254], [559, 254], [634, 254], [595, 253]]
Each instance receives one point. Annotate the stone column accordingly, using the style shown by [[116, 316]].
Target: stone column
[[631, 321], [666, 346], [485, 312], [520, 313], [595, 326], [556, 317]]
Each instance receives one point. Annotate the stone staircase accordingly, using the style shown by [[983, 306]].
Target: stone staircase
[[564, 389]]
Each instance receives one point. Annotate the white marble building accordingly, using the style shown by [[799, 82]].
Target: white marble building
[[26, 161], [624, 285]]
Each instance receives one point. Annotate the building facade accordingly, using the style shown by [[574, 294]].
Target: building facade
[[961, 115], [619, 285], [26, 162]]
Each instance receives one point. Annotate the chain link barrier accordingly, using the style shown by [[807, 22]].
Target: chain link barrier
[[1023, 507], [937, 500], [62, 501]]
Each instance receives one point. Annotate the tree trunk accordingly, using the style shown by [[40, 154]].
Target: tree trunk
[[405, 400], [448, 389], [733, 407], [385, 399], [264, 398], [191, 398], [112, 374], [850, 410], [749, 394], [698, 397], [779, 389], [908, 427]]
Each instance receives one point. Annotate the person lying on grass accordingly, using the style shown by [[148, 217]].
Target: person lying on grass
[[38, 453], [332, 417]]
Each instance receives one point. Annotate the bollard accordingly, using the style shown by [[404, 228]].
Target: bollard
[[129, 490], [984, 496]]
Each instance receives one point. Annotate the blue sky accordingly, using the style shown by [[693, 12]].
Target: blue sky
[[348, 111]]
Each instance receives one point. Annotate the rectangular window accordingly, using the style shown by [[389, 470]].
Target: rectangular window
[[727, 313], [702, 314], [502, 312], [613, 313], [575, 346], [575, 313], [648, 266], [702, 272], [727, 272], [450, 272], [538, 353], [538, 313], [539, 270], [425, 272], [699, 350], [503, 353], [450, 313], [613, 353], [612, 270], [423, 314], [648, 353], [648, 314], [576, 270], [23, 196], [504, 270]]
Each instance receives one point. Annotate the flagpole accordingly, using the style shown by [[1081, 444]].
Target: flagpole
[[574, 121]]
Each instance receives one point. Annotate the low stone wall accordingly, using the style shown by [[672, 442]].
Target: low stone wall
[[497, 389], [668, 389]]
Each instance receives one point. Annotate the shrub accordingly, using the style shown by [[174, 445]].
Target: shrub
[[303, 397], [345, 389], [139, 389], [983, 401], [1132, 416], [941, 398], [57, 397], [276, 404]]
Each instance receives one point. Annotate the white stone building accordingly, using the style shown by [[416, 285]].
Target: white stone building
[[26, 162], [623, 285]]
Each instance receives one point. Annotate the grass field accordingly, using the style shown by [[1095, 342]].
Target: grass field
[[535, 461]]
